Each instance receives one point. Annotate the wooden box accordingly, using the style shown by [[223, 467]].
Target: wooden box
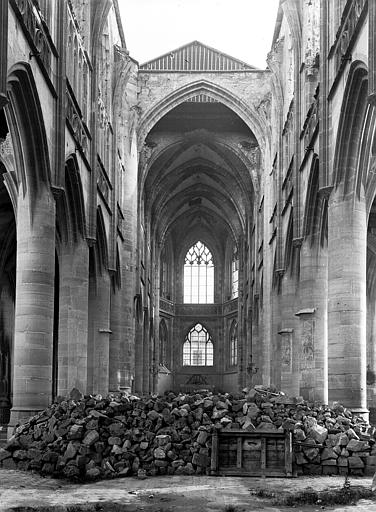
[[264, 453]]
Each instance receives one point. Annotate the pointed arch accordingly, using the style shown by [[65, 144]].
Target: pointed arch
[[289, 248], [311, 223], [75, 197], [353, 113], [116, 274], [198, 349], [101, 245], [26, 124], [233, 343], [70, 206], [198, 275], [247, 113], [163, 341]]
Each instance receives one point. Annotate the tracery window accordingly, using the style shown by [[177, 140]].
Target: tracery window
[[235, 275], [198, 347], [163, 275], [198, 275], [234, 343], [163, 339]]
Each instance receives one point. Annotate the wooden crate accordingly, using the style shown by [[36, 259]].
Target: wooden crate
[[265, 453]]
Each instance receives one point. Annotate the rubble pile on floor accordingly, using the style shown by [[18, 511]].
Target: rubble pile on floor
[[95, 437]]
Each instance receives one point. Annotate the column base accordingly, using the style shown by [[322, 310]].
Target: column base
[[20, 415], [360, 411]]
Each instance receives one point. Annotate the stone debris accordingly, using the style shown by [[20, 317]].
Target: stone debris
[[93, 437]]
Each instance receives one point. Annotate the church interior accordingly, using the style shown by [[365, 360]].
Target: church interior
[[192, 222]]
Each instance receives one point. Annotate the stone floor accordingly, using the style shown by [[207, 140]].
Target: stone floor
[[23, 491]]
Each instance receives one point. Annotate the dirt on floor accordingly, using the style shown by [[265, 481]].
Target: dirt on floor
[[27, 492]]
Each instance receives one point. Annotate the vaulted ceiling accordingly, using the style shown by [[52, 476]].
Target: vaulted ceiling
[[199, 179]]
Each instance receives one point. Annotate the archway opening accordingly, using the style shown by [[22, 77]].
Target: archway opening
[[8, 251], [197, 199]]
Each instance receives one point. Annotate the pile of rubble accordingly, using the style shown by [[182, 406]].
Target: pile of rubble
[[94, 437]]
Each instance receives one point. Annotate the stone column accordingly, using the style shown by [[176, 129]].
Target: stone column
[[347, 246], [116, 337], [372, 50], [313, 323], [139, 353], [99, 336], [34, 308], [73, 324], [146, 354], [4, 6]]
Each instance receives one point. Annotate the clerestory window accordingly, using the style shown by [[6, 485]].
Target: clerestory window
[[198, 347], [234, 344], [235, 275], [198, 275]]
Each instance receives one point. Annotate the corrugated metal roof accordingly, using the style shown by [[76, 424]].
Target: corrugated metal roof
[[195, 56]]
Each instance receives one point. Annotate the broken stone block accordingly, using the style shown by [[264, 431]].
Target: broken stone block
[[342, 439], [328, 453], [312, 469], [4, 454], [114, 441], [159, 453], [93, 473], [91, 437], [351, 434], [300, 459], [9, 464], [329, 470], [253, 411], [299, 435], [20, 454], [329, 462], [163, 440], [318, 433], [310, 453], [357, 446], [201, 460], [70, 451], [342, 461], [75, 432], [76, 395], [202, 437], [355, 462]]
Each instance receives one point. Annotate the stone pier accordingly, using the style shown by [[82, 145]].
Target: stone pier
[[34, 308]]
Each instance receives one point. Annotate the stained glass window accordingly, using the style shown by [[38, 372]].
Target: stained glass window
[[198, 347], [198, 275]]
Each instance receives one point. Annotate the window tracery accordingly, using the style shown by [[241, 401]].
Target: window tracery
[[198, 347], [235, 275], [234, 343], [198, 275]]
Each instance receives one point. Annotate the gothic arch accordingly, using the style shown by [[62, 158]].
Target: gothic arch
[[26, 124], [353, 112], [312, 204], [75, 197], [214, 91], [116, 274], [208, 241], [208, 350], [228, 152], [289, 247], [101, 245], [163, 342], [100, 19]]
